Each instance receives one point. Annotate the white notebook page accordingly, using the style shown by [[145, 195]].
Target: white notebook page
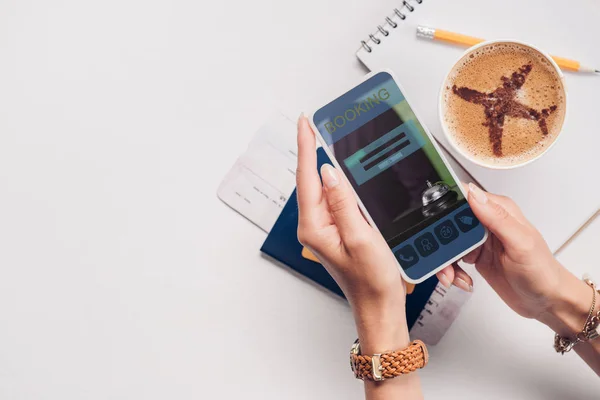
[[560, 191]]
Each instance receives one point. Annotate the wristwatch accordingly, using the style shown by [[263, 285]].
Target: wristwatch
[[390, 364]]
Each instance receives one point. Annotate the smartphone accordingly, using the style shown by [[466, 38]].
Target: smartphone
[[404, 185]]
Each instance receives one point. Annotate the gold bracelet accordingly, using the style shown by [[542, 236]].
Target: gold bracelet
[[590, 331]]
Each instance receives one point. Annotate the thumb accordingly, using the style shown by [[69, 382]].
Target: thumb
[[496, 218], [342, 204]]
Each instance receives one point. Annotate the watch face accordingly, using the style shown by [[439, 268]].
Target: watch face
[[354, 351]]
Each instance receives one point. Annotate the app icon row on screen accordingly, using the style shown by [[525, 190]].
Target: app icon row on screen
[[445, 233]]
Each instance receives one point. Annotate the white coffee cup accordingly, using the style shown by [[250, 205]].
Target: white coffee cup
[[442, 105]]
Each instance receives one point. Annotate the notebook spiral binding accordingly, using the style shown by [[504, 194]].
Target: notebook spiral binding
[[389, 22]]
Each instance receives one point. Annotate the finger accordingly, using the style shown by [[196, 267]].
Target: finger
[[472, 257], [505, 202], [510, 206], [496, 218], [446, 276], [462, 280], [309, 189], [342, 205]]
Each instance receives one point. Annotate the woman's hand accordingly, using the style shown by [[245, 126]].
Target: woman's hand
[[356, 255], [516, 261]]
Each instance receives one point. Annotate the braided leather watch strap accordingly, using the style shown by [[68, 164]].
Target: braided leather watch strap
[[390, 364]]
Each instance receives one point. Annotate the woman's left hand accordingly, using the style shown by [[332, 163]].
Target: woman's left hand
[[332, 226]]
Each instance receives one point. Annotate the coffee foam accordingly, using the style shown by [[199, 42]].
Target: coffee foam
[[522, 139]]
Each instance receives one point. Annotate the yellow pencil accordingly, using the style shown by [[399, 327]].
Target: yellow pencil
[[463, 40]]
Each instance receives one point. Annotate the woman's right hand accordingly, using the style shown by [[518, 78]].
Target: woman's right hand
[[516, 261]]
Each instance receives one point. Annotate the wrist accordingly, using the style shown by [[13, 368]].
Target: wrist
[[569, 306], [381, 324]]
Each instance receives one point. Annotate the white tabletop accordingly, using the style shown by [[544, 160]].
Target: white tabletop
[[123, 276]]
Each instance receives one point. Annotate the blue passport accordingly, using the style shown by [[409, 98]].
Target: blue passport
[[282, 245]]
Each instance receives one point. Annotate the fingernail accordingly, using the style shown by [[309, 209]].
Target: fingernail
[[444, 280], [478, 194], [329, 175], [462, 284], [300, 118]]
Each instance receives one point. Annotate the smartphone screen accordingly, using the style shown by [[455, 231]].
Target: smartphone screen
[[405, 186]]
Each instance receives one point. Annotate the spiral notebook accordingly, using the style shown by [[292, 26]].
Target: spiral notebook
[[558, 192]]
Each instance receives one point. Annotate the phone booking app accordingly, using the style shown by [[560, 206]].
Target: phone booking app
[[404, 184]]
